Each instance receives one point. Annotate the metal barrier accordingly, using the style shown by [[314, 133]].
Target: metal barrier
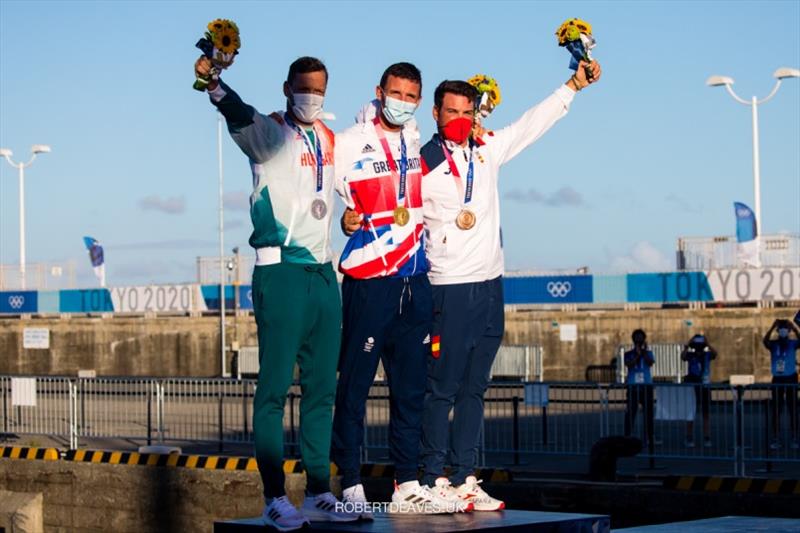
[[519, 361], [668, 363], [522, 362], [748, 426]]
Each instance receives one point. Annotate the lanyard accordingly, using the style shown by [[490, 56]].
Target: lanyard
[[401, 192], [316, 152], [470, 173]]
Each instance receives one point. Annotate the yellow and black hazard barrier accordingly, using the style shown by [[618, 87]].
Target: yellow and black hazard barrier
[[20, 452], [733, 484], [173, 460], [206, 462]]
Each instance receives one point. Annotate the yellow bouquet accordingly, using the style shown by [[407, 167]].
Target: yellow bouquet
[[488, 93], [576, 36], [220, 44]]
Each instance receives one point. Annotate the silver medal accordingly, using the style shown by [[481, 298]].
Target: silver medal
[[319, 209]]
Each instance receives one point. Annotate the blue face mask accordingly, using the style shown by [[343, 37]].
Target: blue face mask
[[783, 333], [398, 112]]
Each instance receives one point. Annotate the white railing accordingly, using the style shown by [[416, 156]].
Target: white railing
[[38, 276]]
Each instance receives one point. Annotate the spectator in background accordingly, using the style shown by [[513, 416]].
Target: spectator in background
[[639, 384], [699, 354], [783, 364]]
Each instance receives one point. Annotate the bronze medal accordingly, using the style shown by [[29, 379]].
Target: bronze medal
[[401, 216], [465, 219]]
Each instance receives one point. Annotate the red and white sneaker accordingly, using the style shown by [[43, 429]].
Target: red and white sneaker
[[445, 490], [471, 491]]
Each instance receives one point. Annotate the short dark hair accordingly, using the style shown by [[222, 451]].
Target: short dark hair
[[455, 87], [407, 71], [304, 65], [638, 333]]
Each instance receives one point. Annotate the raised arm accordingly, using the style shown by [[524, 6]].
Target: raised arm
[[511, 140], [712, 352], [769, 334], [685, 353], [258, 136]]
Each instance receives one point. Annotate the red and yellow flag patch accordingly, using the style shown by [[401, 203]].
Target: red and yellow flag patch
[[436, 346]]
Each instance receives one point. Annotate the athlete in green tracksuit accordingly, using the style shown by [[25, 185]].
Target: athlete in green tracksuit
[[295, 293]]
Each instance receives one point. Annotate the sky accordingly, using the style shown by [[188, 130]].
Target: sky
[[645, 156]]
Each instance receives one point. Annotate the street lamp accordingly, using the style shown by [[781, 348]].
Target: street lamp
[[779, 75], [5, 152]]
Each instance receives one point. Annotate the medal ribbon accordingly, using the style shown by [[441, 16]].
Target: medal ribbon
[[470, 173], [315, 152], [401, 188]]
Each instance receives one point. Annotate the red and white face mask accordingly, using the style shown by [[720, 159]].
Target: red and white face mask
[[457, 130]]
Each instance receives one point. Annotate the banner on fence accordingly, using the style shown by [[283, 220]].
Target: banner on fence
[[675, 403], [537, 394], [23, 392], [724, 286]]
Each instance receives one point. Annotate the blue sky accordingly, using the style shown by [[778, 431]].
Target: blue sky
[[645, 156]]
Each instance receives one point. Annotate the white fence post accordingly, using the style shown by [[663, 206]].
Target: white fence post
[[73, 415]]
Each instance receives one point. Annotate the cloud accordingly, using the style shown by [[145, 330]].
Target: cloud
[[642, 257], [680, 204], [171, 206], [236, 201], [564, 197]]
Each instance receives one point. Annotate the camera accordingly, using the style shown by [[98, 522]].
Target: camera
[[698, 343]]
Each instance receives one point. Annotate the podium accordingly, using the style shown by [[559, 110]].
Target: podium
[[500, 521]]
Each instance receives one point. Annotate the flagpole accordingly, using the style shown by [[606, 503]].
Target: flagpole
[[221, 252]]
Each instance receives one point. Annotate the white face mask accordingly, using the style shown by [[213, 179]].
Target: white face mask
[[307, 107], [398, 112]]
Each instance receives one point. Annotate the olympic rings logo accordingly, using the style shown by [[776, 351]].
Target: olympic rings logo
[[559, 289], [16, 301]]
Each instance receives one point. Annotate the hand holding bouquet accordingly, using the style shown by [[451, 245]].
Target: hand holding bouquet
[[220, 44], [576, 36], [488, 98], [488, 94]]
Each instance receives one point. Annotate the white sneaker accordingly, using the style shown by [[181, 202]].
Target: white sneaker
[[356, 502], [471, 491], [411, 497], [444, 490], [282, 515], [326, 508]]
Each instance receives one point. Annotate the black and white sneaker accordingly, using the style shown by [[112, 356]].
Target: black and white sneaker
[[326, 508], [282, 515]]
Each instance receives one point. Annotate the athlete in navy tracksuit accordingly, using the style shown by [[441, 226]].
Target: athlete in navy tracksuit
[[462, 224], [386, 295]]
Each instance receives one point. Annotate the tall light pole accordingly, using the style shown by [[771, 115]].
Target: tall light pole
[[779, 75], [5, 152], [221, 248]]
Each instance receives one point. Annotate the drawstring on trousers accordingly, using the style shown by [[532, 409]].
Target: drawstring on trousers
[[406, 286]]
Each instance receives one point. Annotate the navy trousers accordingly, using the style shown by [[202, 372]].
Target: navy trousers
[[468, 323], [387, 319]]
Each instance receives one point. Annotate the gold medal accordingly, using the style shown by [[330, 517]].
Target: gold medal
[[465, 219], [401, 216]]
